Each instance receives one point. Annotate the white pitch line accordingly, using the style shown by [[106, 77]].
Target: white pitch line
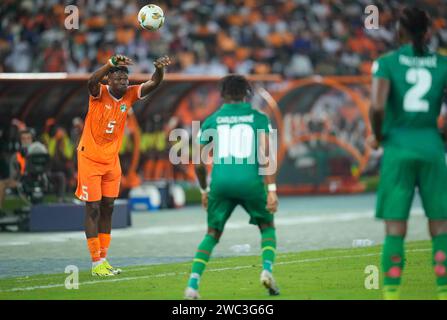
[[162, 275], [232, 225], [15, 243]]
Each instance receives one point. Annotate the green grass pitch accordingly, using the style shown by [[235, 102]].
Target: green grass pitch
[[323, 274]]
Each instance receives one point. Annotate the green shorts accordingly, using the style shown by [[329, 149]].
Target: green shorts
[[401, 172], [220, 209]]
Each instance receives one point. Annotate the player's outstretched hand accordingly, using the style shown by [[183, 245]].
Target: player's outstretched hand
[[120, 60], [205, 200], [272, 202], [162, 62]]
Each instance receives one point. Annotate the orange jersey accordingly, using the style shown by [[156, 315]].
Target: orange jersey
[[104, 124]]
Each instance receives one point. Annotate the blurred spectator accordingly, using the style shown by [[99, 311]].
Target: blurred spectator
[[17, 165], [61, 153], [48, 131], [76, 131], [299, 66], [18, 169], [147, 147], [20, 58], [61, 150], [54, 58], [294, 38]]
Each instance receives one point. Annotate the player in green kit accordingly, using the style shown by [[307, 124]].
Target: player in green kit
[[239, 136], [407, 92]]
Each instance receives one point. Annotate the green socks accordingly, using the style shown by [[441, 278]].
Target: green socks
[[440, 264], [207, 245], [201, 259], [268, 246], [393, 259]]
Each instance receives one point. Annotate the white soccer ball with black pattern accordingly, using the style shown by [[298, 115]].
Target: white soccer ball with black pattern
[[151, 17]]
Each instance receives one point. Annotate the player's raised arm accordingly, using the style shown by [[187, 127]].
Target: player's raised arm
[[98, 75], [157, 77], [379, 94]]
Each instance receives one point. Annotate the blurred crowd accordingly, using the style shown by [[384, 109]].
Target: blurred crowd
[[293, 38]]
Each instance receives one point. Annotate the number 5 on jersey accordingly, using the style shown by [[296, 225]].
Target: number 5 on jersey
[[111, 126], [84, 195]]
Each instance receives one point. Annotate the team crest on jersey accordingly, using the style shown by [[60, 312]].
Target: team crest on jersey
[[123, 107]]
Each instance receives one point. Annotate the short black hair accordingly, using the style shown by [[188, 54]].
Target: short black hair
[[118, 68], [416, 22], [25, 131], [235, 87], [29, 131]]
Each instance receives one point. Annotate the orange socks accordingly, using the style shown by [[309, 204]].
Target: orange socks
[[104, 241], [98, 246], [94, 248]]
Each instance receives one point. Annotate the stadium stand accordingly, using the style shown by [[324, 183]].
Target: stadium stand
[[292, 38]]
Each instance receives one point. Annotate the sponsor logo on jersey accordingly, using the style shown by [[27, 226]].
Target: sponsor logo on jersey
[[123, 107]]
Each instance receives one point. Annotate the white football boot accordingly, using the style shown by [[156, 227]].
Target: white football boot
[[269, 282], [191, 294]]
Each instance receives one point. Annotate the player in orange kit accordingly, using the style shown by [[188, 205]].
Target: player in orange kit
[[99, 170]]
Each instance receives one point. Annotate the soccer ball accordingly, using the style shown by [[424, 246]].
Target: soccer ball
[[151, 17]]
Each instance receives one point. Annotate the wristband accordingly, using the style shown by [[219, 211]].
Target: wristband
[[113, 62], [271, 187], [202, 191]]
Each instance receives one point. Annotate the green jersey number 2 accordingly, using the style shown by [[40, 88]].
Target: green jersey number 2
[[236, 140], [421, 80]]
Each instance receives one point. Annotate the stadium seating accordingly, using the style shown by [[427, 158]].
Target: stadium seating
[[293, 38]]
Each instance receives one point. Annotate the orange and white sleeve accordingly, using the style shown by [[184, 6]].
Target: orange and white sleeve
[[139, 92], [134, 93]]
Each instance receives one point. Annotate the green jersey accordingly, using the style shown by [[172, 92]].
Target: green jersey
[[234, 130], [417, 86]]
